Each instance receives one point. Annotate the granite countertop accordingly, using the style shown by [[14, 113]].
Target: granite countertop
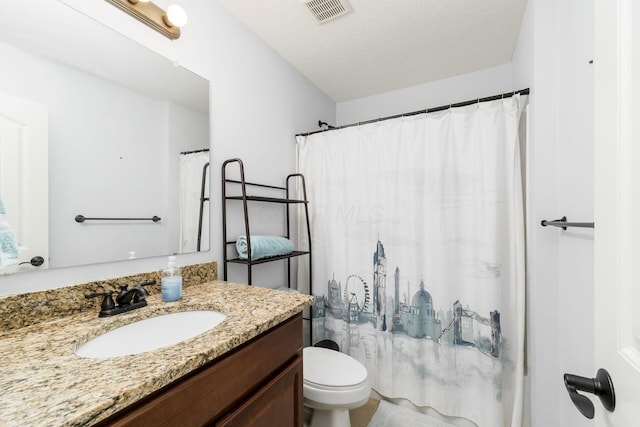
[[44, 383]]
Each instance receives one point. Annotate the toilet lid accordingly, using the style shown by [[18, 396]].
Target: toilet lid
[[331, 368]]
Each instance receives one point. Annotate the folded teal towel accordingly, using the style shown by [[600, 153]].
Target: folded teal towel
[[8, 247], [9, 252], [263, 246]]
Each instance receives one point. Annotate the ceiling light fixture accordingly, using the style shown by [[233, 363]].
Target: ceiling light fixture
[[166, 23]]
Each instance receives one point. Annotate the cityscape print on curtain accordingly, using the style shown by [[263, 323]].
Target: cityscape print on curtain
[[415, 317], [418, 239]]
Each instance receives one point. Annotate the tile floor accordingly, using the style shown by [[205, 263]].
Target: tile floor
[[361, 416]]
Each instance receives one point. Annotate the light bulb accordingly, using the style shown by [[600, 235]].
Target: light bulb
[[176, 16]]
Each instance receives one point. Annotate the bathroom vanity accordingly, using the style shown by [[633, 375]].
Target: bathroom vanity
[[245, 371], [259, 383]]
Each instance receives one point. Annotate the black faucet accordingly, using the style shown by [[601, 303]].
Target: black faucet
[[127, 299], [134, 295]]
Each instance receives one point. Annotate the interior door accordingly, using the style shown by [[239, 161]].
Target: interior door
[[617, 211], [24, 180]]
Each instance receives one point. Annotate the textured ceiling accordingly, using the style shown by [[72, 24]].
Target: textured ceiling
[[384, 45]]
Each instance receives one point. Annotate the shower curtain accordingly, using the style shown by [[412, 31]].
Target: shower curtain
[[418, 243], [191, 167]]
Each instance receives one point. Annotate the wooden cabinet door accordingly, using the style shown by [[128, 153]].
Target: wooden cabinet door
[[278, 403]]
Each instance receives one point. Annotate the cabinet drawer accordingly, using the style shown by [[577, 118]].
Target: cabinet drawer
[[278, 403], [208, 394]]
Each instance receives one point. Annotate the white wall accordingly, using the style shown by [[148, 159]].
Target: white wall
[[479, 84], [576, 199], [258, 103], [553, 54]]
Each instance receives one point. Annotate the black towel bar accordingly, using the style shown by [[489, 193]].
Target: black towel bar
[[562, 222], [82, 218]]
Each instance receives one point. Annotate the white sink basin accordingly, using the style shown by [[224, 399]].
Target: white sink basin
[[150, 334]]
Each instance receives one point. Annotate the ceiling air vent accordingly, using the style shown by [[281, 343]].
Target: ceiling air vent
[[326, 10]]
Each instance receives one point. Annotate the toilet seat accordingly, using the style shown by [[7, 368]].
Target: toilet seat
[[332, 379], [338, 388], [331, 369]]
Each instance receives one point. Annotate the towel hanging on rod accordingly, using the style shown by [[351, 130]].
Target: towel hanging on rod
[[562, 222]]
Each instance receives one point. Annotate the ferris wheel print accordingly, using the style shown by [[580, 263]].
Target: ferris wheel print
[[356, 292]]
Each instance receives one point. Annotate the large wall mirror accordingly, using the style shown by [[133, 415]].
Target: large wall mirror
[[94, 124]]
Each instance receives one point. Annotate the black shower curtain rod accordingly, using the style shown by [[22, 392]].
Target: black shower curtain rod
[[195, 151], [413, 113]]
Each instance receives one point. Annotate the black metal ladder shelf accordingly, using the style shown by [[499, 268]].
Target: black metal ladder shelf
[[203, 198], [245, 198], [287, 201]]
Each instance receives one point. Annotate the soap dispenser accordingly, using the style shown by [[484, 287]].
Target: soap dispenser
[[171, 284]]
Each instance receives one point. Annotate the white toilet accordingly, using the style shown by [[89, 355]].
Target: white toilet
[[333, 383]]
